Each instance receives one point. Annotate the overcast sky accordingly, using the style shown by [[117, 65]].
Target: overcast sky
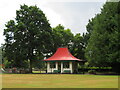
[[72, 14]]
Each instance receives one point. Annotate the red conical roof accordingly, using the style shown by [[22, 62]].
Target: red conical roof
[[62, 54]]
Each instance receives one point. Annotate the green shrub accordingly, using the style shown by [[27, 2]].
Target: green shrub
[[92, 72], [67, 71], [56, 71]]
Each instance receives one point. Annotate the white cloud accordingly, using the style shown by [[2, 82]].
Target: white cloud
[[53, 17], [76, 14]]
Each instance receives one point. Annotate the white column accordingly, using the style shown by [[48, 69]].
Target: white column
[[48, 67], [56, 65], [71, 67], [61, 67]]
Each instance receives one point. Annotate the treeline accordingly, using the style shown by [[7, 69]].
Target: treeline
[[30, 39], [103, 44]]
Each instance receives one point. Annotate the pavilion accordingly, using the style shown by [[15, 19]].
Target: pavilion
[[62, 62]]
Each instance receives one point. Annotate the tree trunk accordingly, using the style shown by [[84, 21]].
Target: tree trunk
[[30, 66]]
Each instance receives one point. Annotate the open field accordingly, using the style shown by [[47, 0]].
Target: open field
[[59, 81]]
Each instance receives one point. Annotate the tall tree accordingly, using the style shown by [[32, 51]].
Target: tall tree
[[103, 46], [89, 28], [61, 37], [64, 38], [78, 46], [28, 36]]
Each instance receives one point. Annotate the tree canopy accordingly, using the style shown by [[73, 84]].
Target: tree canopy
[[78, 46], [27, 36], [103, 45], [65, 38], [62, 37]]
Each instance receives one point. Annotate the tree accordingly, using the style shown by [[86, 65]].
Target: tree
[[89, 28], [28, 36], [61, 37], [38, 63], [64, 38], [103, 46], [78, 46]]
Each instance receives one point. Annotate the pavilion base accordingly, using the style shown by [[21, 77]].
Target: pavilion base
[[60, 68]]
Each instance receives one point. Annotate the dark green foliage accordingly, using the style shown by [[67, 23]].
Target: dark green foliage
[[64, 38], [78, 46], [28, 36], [61, 37], [67, 71], [92, 72], [89, 27], [56, 71], [38, 63], [103, 45]]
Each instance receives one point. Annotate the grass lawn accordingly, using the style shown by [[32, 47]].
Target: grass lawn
[[58, 81]]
